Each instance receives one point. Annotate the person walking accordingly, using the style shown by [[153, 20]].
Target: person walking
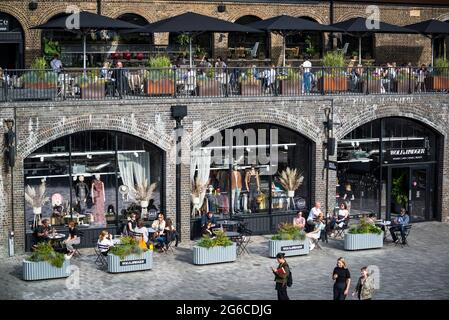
[[342, 279], [281, 275], [365, 286]]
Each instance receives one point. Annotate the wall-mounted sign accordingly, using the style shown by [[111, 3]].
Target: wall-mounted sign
[[4, 24], [406, 155], [331, 165]]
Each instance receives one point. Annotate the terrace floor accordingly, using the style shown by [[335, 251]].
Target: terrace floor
[[417, 271]]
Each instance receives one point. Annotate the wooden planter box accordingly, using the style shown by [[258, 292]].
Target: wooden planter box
[[209, 88], [132, 262], [44, 270], [93, 91], [214, 255], [290, 87], [363, 241], [333, 84], [249, 88], [288, 247], [39, 85], [437, 83], [159, 87]]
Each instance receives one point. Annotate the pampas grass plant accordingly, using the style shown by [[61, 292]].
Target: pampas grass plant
[[35, 196], [291, 179], [144, 191]]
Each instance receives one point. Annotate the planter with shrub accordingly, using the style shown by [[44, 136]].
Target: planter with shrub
[[290, 84], [45, 263], [159, 78], [439, 79], [217, 250], [333, 76], [289, 240], [39, 77], [129, 255], [364, 236]]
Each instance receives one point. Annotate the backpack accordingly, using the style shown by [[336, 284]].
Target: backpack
[[289, 279]]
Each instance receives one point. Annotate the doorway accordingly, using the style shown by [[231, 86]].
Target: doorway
[[410, 187], [10, 57]]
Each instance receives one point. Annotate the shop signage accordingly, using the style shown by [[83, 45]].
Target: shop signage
[[292, 248], [132, 262], [407, 154], [331, 165], [4, 24]]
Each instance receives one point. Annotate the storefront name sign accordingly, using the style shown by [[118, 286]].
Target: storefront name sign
[[293, 247], [132, 262], [4, 24], [406, 154]]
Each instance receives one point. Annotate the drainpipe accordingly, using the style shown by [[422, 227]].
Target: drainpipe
[[331, 21], [98, 6]]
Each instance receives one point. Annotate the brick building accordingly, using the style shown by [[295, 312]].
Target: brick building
[[380, 139]]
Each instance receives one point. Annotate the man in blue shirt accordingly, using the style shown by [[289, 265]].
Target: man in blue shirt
[[208, 221], [399, 224]]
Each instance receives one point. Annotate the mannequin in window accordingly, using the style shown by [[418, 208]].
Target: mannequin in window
[[58, 209], [252, 183], [98, 199], [81, 192], [349, 196], [236, 184]]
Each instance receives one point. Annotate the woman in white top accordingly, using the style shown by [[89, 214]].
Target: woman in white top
[[158, 226], [340, 218], [105, 242], [141, 229], [315, 235]]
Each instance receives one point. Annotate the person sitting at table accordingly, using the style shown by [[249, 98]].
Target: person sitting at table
[[371, 218], [315, 235], [141, 229], [166, 236], [105, 242], [120, 75], [189, 81], [131, 224], [313, 215], [41, 232], [299, 221], [158, 226], [72, 239], [208, 221], [399, 224], [340, 218]]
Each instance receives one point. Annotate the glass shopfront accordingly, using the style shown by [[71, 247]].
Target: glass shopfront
[[238, 172], [90, 177], [403, 174]]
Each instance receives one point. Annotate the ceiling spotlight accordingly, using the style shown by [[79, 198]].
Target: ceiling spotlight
[[89, 156], [136, 154], [42, 159], [285, 147], [248, 149], [353, 143]]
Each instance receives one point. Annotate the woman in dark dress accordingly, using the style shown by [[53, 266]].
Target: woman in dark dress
[[342, 279]]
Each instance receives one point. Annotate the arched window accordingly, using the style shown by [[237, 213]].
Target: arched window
[[11, 42], [305, 44], [240, 43]]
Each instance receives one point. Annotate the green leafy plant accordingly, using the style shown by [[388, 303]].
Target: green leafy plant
[[310, 46], [183, 40], [90, 78], [45, 252], [398, 190], [364, 227], [288, 231], [159, 68], [127, 246], [334, 63], [39, 73], [51, 48], [441, 66], [220, 240]]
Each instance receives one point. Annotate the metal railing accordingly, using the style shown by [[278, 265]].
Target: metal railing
[[146, 83]]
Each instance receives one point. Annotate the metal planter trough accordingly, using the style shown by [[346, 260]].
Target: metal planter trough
[[363, 241], [288, 247], [214, 255], [133, 262], [44, 270]]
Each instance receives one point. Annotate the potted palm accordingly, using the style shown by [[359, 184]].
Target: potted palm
[[129, 255], [399, 193], [439, 79], [159, 78], [363, 236], [289, 240], [35, 197], [217, 250], [39, 77], [333, 77], [45, 263], [144, 192]]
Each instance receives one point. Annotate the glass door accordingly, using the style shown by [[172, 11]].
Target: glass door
[[419, 203]]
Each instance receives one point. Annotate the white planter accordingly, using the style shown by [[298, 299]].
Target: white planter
[[363, 241], [291, 194], [214, 255], [288, 247], [144, 204], [37, 210], [196, 201], [44, 270], [130, 263]]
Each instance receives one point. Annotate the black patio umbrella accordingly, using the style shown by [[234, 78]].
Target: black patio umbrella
[[360, 27], [191, 23], [285, 25], [86, 23], [432, 29]]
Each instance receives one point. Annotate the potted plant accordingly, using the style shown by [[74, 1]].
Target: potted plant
[[39, 77], [404, 82], [36, 198], [333, 77], [439, 79], [249, 85], [144, 192], [372, 81], [291, 83], [291, 180], [364, 236], [128, 256], [216, 250], [289, 240], [159, 78], [310, 47], [45, 263], [208, 85], [92, 86], [398, 192]]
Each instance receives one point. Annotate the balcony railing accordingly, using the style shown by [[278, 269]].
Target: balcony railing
[[144, 83]]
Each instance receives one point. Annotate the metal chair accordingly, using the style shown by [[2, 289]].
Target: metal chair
[[403, 242], [344, 50], [243, 240], [254, 50], [77, 246], [101, 258], [340, 231]]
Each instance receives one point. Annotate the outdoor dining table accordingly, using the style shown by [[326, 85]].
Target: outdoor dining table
[[232, 234], [232, 223], [56, 236], [384, 225]]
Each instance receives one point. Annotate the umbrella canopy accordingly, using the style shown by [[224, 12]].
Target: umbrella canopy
[[191, 23], [360, 27], [87, 22], [285, 25], [431, 28]]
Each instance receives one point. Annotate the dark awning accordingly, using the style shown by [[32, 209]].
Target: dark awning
[[430, 27], [286, 24], [364, 25]]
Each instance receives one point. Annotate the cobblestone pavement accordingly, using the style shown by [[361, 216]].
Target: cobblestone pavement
[[417, 271]]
